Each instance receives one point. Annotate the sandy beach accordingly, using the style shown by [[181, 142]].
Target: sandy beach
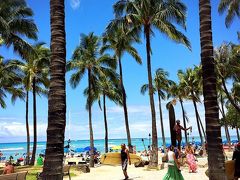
[[106, 172]]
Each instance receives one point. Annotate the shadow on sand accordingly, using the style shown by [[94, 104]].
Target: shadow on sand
[[132, 178]]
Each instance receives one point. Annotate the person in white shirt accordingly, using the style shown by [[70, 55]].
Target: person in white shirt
[[173, 166]]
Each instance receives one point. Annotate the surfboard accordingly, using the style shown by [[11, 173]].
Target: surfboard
[[114, 158]]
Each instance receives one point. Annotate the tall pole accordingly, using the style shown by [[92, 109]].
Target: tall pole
[[69, 120], [149, 138]]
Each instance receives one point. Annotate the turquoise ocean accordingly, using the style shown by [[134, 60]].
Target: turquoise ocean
[[18, 149]]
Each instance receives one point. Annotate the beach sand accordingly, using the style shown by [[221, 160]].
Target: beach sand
[[106, 172]]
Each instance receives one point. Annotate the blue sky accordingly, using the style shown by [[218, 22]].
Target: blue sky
[[84, 16]]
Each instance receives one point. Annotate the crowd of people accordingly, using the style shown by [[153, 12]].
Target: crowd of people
[[174, 154]]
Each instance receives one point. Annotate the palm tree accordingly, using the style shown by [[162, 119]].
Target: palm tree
[[53, 164], [225, 59], [222, 99], [35, 71], [161, 86], [213, 128], [10, 83], [86, 58], [232, 8], [148, 15], [232, 118], [120, 40], [190, 81], [110, 90], [107, 87], [16, 23]]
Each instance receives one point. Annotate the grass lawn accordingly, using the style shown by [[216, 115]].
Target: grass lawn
[[33, 170]]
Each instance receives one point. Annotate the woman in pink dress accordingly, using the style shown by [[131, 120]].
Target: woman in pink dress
[[191, 160]]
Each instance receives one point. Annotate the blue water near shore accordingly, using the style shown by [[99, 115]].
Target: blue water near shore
[[18, 149]]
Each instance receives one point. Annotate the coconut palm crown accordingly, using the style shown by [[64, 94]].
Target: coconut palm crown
[[147, 16]]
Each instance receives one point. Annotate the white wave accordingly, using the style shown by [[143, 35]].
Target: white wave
[[12, 149], [112, 145], [37, 146]]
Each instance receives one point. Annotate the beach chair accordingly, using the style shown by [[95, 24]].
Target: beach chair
[[12, 176], [22, 175]]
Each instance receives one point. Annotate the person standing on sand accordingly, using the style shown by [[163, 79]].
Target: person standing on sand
[[174, 173], [178, 128], [125, 159], [236, 157], [191, 160]]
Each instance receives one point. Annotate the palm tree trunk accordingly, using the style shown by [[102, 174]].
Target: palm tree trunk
[[225, 125], [105, 123], [53, 163], [200, 121], [34, 123], [216, 162], [184, 120], [91, 163], [161, 121], [125, 105], [154, 155], [198, 124], [237, 134], [27, 129]]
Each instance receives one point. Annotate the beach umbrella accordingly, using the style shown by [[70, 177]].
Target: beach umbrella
[[168, 144], [234, 141], [79, 150], [66, 150], [225, 142], [67, 146], [116, 148], [88, 148]]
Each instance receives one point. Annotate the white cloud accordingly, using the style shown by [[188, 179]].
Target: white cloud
[[15, 129], [139, 122], [75, 4], [131, 109]]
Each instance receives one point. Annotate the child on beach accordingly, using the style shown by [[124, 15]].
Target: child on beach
[[191, 160]]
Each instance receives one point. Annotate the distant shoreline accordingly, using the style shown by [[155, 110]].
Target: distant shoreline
[[145, 138]]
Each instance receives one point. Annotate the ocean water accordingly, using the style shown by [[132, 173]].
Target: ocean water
[[19, 149]]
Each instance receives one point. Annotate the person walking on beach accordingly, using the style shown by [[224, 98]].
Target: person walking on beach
[[178, 128], [125, 158], [236, 157], [173, 167], [191, 160]]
